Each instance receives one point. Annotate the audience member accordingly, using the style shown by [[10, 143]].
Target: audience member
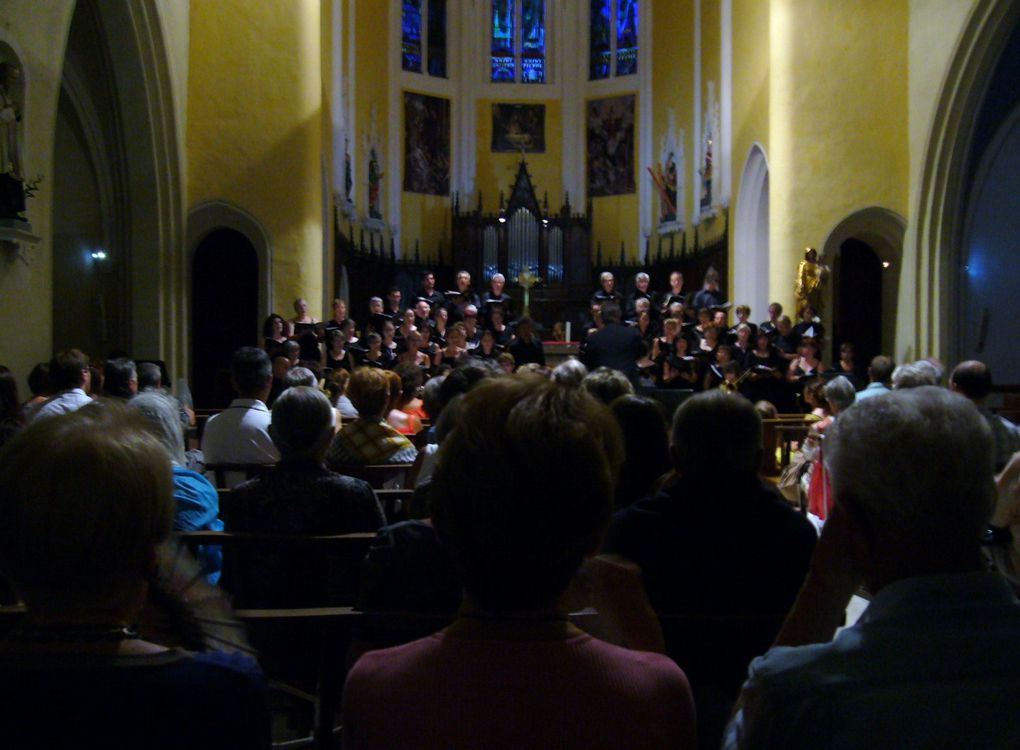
[[607, 385], [973, 380], [369, 439], [570, 372], [197, 502], [934, 660], [240, 433], [149, 376], [645, 448], [300, 495], [299, 376], [407, 413], [70, 379], [85, 500], [12, 415], [39, 385], [879, 378], [913, 375], [516, 547], [120, 378], [336, 387]]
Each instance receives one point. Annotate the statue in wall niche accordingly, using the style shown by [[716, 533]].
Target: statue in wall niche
[[12, 176], [811, 277], [375, 176]]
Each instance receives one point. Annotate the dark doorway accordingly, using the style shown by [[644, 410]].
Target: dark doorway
[[858, 301], [224, 312]]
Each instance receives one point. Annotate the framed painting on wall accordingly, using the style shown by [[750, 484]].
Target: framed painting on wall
[[610, 147], [426, 144], [518, 128]]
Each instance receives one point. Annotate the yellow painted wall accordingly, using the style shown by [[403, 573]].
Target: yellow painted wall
[[672, 88], [496, 171], [837, 121], [255, 128], [711, 72], [38, 32], [371, 99]]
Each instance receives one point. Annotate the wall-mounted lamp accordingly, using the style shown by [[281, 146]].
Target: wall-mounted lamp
[[99, 255], [886, 264]]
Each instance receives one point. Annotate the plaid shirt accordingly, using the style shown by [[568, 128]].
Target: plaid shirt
[[370, 442]]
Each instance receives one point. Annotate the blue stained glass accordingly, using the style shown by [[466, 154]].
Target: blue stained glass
[[410, 36], [437, 38], [503, 64], [600, 30], [533, 41], [626, 37]]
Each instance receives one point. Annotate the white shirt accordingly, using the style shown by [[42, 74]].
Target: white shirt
[[239, 435], [63, 403]]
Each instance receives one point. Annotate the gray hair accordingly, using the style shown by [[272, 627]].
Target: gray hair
[[607, 384], [431, 400], [374, 300], [915, 464], [164, 421], [605, 276], [303, 421], [569, 372], [642, 276], [840, 393], [642, 304], [299, 376], [499, 276], [913, 375]]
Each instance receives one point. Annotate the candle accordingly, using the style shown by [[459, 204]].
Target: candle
[[568, 332]]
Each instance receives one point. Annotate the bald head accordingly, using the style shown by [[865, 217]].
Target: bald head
[[972, 379]]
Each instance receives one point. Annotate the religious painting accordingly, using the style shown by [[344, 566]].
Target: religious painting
[[518, 128], [611, 146], [667, 178], [13, 189], [707, 201], [426, 144]]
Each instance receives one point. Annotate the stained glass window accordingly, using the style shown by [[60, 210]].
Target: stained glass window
[[626, 37], [503, 58], [437, 38], [533, 41], [601, 25], [613, 35], [410, 41]]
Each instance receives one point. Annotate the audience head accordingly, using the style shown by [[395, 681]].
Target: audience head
[[716, 435], [149, 376], [431, 401], [85, 498], [251, 373], [914, 470], [10, 404], [840, 394], [570, 372], [518, 542], [297, 376], [814, 393], [369, 391], [607, 384], [645, 445], [972, 379], [881, 369], [336, 384], [611, 312], [302, 423], [912, 375], [410, 376], [120, 378], [766, 409], [292, 351], [163, 421], [69, 369], [39, 379]]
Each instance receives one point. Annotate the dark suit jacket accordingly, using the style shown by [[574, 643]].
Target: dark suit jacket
[[616, 347]]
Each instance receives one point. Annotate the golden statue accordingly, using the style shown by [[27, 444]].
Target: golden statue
[[811, 275]]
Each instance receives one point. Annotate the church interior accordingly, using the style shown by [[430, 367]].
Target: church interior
[[195, 166], [512, 179]]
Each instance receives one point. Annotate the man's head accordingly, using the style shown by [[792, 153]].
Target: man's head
[[712, 279], [251, 373], [518, 542], [676, 281], [972, 379], [463, 281], [608, 282], [393, 296], [913, 469], [375, 305], [84, 500], [913, 375], [120, 378], [775, 310], [611, 312], [715, 435], [496, 284], [149, 376], [302, 424], [428, 281], [69, 369], [423, 310], [641, 281], [299, 376], [881, 369]]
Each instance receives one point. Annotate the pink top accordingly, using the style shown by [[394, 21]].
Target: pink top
[[579, 692]]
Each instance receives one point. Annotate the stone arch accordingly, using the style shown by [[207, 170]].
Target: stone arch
[[883, 230], [751, 234]]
